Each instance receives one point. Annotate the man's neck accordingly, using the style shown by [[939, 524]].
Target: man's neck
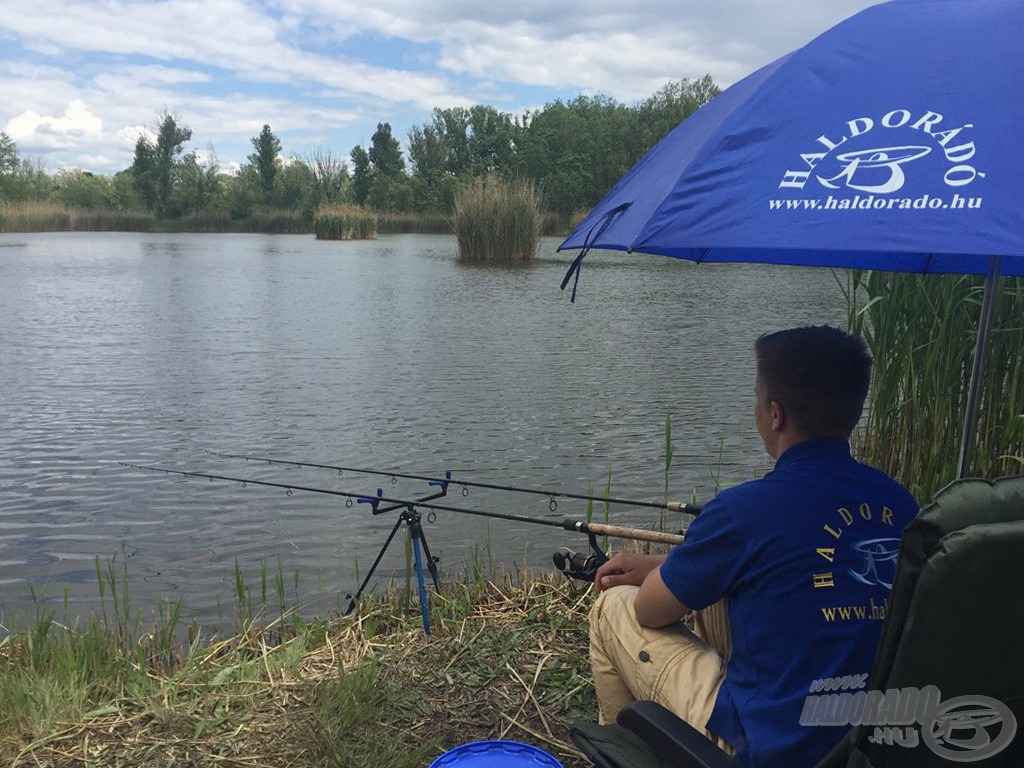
[[786, 440]]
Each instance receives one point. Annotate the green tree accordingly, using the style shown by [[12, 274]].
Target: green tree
[[8, 168], [124, 195], [243, 191], [30, 181], [459, 144], [453, 127], [491, 145], [82, 189], [330, 175], [575, 151], [143, 172], [21, 178], [433, 187], [196, 185], [8, 155], [671, 104], [295, 187], [385, 153], [390, 193], [361, 174], [155, 165], [264, 159]]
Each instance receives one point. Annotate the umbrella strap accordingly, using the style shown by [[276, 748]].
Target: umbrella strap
[[595, 232]]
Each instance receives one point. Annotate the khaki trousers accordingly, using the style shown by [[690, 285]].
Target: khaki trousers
[[672, 665]]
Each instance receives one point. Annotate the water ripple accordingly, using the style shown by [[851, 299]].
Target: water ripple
[[152, 349]]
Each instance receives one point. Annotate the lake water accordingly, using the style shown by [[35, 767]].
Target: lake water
[[157, 349]]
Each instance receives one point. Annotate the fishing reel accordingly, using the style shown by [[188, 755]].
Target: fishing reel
[[580, 565]]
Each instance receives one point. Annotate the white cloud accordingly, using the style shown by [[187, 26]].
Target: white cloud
[[76, 121], [127, 137], [322, 73]]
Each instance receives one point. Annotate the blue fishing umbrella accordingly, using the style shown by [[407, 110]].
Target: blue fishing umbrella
[[890, 142]]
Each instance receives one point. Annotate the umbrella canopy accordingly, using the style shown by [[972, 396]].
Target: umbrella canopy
[[890, 142]]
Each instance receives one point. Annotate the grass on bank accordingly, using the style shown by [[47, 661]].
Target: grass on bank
[[507, 658]]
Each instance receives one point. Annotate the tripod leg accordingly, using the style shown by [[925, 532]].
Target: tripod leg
[[376, 562], [420, 581], [431, 560]]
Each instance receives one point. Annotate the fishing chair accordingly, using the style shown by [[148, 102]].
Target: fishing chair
[[955, 621]]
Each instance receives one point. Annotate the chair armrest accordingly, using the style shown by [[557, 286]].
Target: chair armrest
[[671, 738]]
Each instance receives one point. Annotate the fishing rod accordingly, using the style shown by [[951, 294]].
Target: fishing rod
[[671, 506], [574, 565], [579, 526]]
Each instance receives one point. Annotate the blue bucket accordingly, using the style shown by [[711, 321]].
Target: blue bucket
[[496, 754]]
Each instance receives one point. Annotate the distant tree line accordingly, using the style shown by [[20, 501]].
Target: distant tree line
[[573, 151]]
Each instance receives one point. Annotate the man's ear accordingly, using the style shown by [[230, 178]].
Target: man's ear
[[778, 415]]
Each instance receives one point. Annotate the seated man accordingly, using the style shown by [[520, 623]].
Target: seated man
[[790, 573]]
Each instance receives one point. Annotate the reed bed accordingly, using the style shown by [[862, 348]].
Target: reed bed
[[507, 658], [100, 220], [344, 222], [497, 221], [414, 223], [271, 221], [56, 217], [921, 330], [354, 223], [35, 217]]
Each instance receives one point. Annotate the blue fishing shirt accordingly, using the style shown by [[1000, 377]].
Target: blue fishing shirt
[[806, 557]]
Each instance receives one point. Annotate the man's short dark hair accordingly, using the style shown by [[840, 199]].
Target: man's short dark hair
[[820, 376]]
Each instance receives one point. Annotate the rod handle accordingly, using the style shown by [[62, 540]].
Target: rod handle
[[618, 532], [682, 506]]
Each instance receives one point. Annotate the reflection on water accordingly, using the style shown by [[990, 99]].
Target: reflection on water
[[158, 348]]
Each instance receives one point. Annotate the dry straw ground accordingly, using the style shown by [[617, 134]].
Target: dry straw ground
[[507, 659]]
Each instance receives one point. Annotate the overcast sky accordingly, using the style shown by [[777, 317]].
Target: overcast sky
[[79, 79]]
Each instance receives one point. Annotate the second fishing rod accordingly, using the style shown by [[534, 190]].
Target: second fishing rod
[[396, 503], [573, 565], [553, 496]]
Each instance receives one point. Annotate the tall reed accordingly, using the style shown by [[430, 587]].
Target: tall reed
[[921, 330], [344, 222], [495, 220], [35, 217]]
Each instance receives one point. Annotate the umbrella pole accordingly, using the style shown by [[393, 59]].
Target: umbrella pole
[[984, 324]]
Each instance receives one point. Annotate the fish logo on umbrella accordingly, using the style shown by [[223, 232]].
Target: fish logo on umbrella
[[875, 164]]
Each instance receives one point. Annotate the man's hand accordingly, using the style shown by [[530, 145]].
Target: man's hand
[[626, 568]]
